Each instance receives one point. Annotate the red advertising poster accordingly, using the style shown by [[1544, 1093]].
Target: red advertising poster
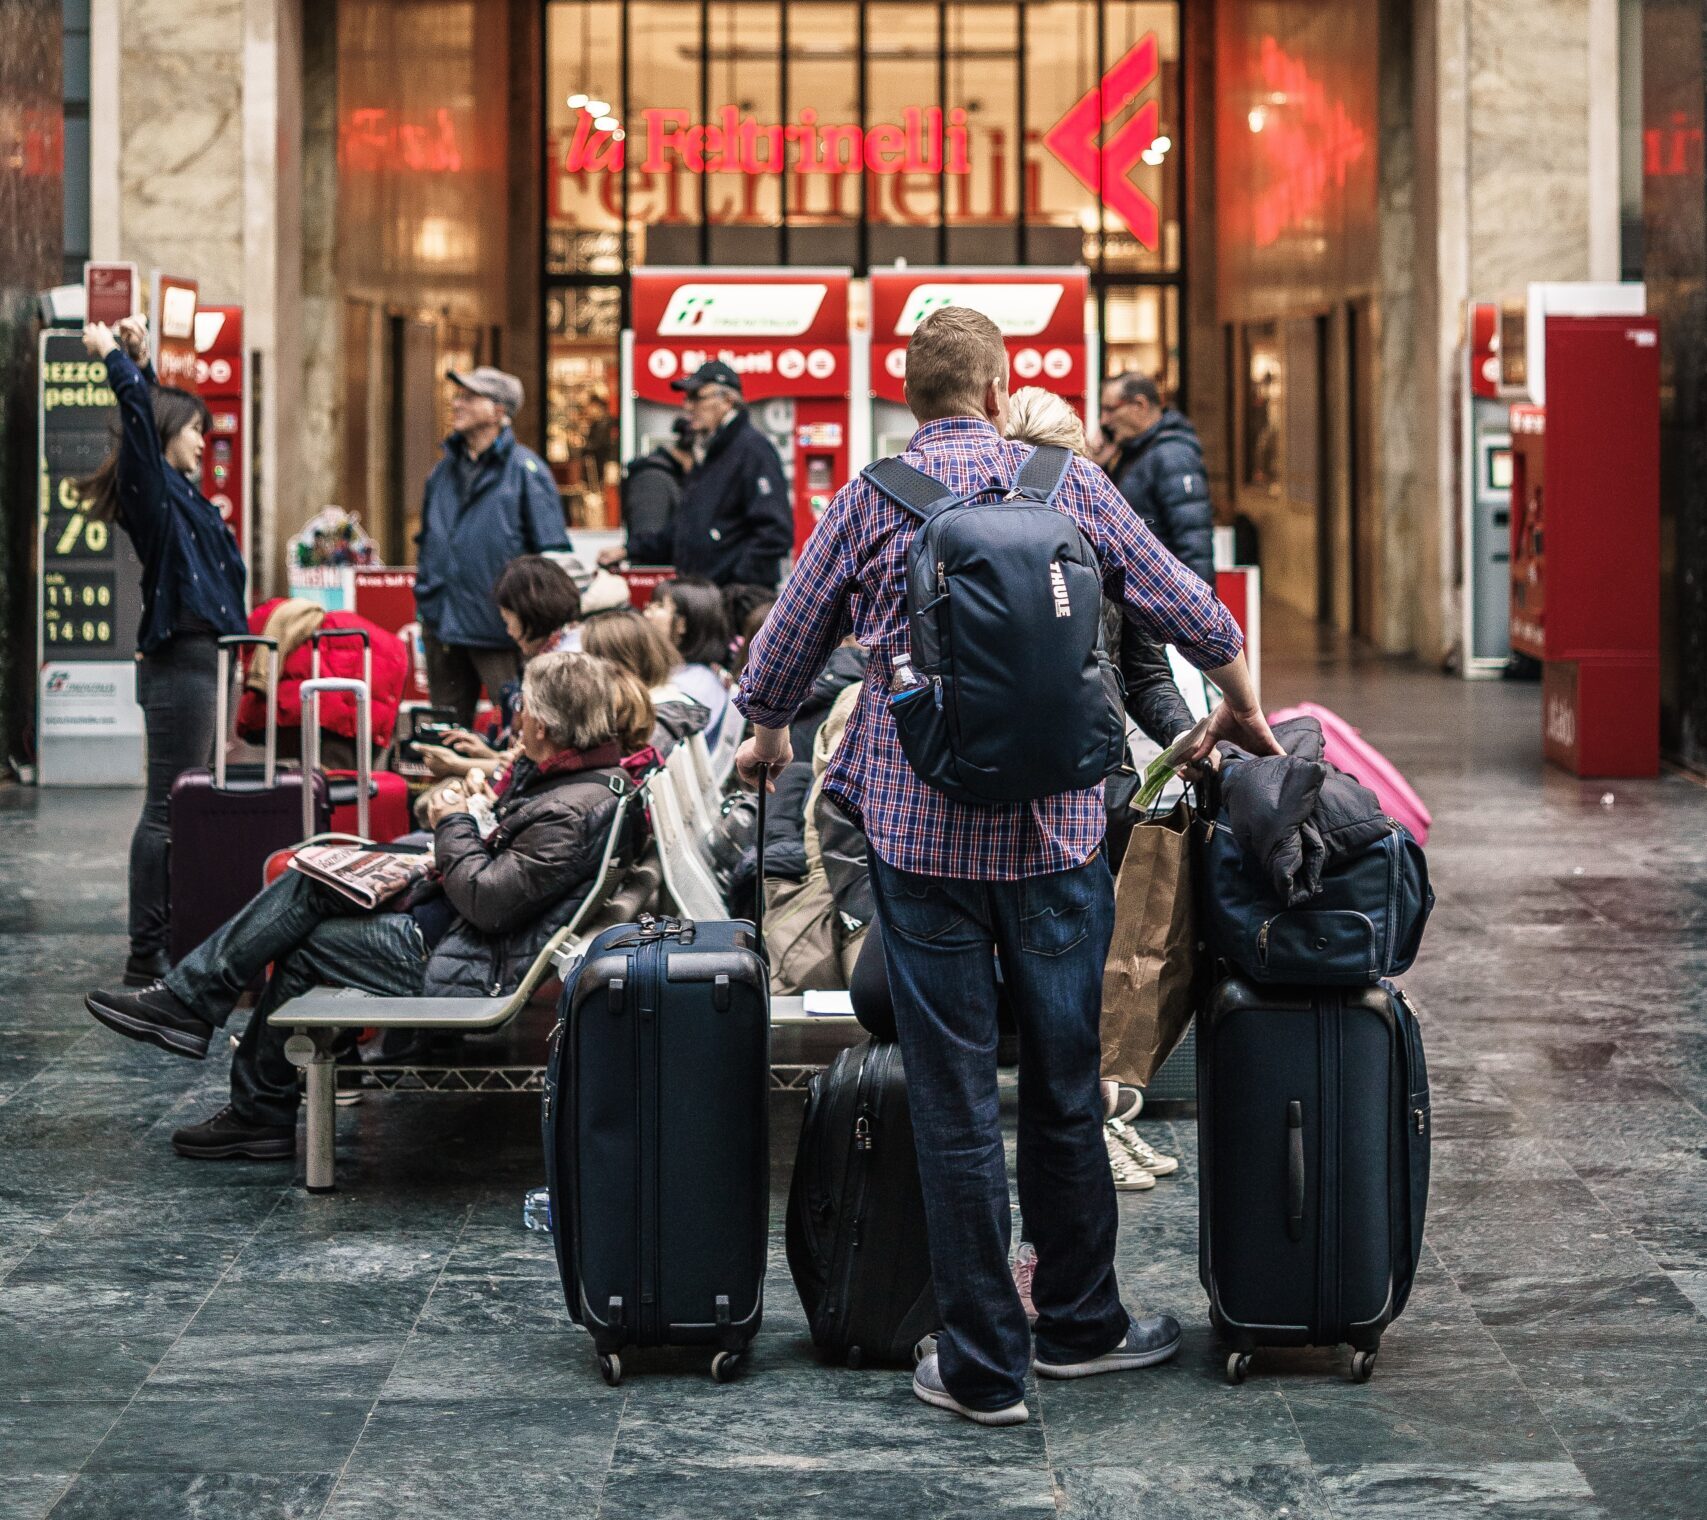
[[1041, 313], [219, 381], [784, 331], [109, 292], [175, 330]]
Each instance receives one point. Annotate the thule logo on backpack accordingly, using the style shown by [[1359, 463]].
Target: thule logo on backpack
[[1058, 586]]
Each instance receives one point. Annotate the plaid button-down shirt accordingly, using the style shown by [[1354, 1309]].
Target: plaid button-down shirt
[[851, 577]]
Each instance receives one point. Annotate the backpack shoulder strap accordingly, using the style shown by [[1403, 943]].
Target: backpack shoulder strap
[[1041, 476], [915, 492]]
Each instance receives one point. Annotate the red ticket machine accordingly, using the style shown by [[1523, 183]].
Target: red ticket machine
[[1041, 313], [1585, 544], [784, 331], [219, 382]]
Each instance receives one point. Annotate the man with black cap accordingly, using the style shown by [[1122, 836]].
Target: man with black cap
[[488, 499], [733, 524]]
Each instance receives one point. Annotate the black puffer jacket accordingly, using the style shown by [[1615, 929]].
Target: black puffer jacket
[[845, 666], [1294, 813], [651, 491], [515, 890], [1152, 700], [1161, 473]]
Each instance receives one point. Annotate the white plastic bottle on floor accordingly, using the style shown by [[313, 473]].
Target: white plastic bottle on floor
[[536, 1210]]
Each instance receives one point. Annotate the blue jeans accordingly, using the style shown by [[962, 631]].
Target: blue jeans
[[312, 937], [942, 936]]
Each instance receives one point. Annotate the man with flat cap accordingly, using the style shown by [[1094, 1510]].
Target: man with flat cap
[[734, 524], [488, 499]]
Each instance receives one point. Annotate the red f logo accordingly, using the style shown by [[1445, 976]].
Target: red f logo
[[1105, 171]]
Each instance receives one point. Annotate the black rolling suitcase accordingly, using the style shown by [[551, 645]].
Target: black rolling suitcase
[[657, 1139], [857, 1246], [1313, 1149], [224, 826]]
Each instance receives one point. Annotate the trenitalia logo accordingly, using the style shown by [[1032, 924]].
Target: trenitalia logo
[[705, 310], [1021, 311], [1105, 170]]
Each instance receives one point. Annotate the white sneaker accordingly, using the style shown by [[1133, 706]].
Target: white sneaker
[[1129, 1177], [1141, 1151]]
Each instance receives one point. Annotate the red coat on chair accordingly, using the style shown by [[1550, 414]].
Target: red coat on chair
[[338, 657]]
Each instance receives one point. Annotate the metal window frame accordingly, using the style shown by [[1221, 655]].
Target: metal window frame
[[1102, 280]]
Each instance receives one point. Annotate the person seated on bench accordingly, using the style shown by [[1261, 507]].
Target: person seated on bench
[[626, 637], [471, 929]]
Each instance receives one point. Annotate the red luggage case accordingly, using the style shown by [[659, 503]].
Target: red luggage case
[[388, 793], [223, 827]]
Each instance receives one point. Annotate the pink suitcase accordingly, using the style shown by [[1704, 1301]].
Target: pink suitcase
[[1356, 756]]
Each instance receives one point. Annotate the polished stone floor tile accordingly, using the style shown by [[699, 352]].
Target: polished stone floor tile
[[576, 1432], [494, 1365], [52, 1361], [51, 1436], [463, 1305], [489, 1491], [288, 1435], [1203, 1491], [241, 1306], [1421, 1422], [31, 1495], [1649, 1488], [648, 1492], [238, 1365], [1453, 1490], [201, 1495]]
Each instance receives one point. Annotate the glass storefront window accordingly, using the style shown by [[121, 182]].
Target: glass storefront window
[[982, 68], [744, 76], [824, 73], [1140, 327]]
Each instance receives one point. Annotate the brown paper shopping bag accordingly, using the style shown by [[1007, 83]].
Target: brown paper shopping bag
[[1149, 986]]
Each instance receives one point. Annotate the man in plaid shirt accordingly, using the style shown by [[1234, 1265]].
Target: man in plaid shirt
[[958, 886]]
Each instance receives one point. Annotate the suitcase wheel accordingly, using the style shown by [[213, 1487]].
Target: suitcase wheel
[[1238, 1366], [725, 1365], [610, 1368], [1362, 1366]]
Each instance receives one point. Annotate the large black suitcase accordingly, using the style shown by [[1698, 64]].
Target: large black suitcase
[[223, 825], [856, 1213], [1313, 1150], [657, 1139]]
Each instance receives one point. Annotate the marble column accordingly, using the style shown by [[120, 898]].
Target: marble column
[[32, 240]]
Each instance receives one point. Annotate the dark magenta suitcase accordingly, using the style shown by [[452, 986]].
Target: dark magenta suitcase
[[224, 823]]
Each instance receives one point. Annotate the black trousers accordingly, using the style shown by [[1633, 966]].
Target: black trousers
[[178, 687]]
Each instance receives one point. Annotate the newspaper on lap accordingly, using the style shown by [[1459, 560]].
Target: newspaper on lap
[[366, 874]]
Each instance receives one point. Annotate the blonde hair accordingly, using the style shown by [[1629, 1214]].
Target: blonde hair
[[632, 709], [953, 358], [1038, 416]]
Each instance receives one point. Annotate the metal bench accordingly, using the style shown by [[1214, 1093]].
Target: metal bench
[[618, 892]]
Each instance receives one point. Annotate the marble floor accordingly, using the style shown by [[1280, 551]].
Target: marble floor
[[181, 1338]]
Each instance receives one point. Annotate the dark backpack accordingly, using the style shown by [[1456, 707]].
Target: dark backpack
[[1017, 698]]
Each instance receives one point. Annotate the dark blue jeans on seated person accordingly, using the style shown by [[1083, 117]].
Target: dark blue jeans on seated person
[[312, 937], [941, 936]]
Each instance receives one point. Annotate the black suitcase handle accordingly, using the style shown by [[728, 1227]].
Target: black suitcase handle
[[1294, 1170]]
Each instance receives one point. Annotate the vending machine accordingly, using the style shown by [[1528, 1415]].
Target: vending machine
[[1485, 527], [1585, 540], [1041, 313], [220, 375], [784, 332]]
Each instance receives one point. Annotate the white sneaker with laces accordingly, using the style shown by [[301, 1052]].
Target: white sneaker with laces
[[1129, 1177], [1141, 1151]]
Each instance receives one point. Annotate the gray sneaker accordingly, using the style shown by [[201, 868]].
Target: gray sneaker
[[1148, 1341], [928, 1385]]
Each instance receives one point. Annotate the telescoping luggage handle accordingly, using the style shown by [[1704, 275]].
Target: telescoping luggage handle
[[222, 704], [311, 690], [315, 638]]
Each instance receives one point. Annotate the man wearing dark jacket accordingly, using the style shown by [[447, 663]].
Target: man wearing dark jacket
[[1158, 467], [652, 489], [734, 523], [470, 929], [487, 500]]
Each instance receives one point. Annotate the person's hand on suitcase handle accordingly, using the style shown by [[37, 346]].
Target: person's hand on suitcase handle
[[765, 756], [1237, 717]]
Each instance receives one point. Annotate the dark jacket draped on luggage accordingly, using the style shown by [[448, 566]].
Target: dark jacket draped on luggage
[[515, 890], [510, 507], [734, 523], [1161, 473], [1293, 814]]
